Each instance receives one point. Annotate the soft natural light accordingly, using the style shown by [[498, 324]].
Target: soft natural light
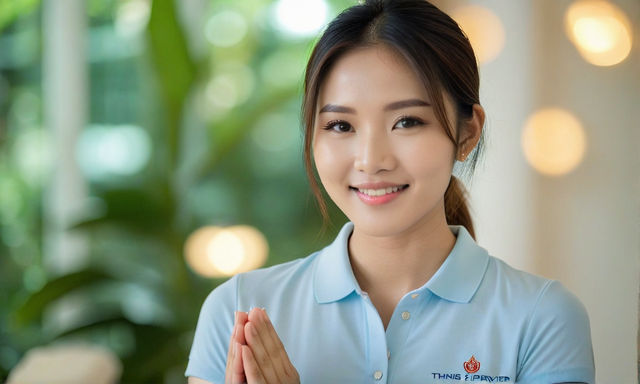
[[117, 150], [600, 31], [225, 251], [301, 17], [32, 153], [226, 28], [233, 84], [275, 132], [553, 141], [484, 29], [132, 17]]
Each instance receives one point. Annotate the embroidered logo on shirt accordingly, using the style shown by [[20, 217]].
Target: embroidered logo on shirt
[[471, 366]]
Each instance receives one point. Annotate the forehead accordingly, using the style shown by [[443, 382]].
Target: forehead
[[375, 74]]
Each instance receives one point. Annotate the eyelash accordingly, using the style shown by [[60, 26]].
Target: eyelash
[[415, 120]]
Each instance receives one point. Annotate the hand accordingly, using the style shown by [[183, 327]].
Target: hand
[[264, 358], [234, 373]]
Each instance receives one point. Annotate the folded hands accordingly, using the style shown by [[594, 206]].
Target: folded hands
[[256, 354]]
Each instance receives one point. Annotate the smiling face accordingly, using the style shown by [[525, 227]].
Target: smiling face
[[380, 152]]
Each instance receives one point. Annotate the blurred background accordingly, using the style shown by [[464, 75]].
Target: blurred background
[[138, 138]]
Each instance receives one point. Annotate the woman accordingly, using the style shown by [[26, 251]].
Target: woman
[[403, 294]]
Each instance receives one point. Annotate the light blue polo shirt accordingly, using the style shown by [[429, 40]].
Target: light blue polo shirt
[[475, 320]]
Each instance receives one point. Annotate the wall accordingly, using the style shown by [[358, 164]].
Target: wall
[[582, 228]]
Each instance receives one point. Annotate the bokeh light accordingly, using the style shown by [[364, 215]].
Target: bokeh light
[[484, 30], [283, 68], [225, 251], [119, 150], [226, 28], [300, 18], [32, 153], [600, 31], [553, 141], [232, 85], [132, 17], [276, 132]]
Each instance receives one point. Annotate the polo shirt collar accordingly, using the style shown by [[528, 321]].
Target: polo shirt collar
[[333, 277], [457, 279]]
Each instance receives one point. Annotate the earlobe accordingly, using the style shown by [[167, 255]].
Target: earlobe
[[470, 133]]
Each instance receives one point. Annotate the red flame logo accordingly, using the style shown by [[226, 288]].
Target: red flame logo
[[472, 366]]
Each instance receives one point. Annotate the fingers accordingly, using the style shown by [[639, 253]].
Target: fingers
[[241, 320], [267, 349], [238, 374], [234, 372], [260, 354], [254, 375]]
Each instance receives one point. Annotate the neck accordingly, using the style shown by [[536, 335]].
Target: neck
[[395, 265]]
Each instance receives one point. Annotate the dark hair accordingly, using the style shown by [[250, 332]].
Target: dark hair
[[433, 44]]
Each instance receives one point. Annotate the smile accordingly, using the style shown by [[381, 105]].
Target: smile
[[380, 195]]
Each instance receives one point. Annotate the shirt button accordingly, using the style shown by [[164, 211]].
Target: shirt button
[[388, 355], [406, 315], [377, 375], [414, 295]]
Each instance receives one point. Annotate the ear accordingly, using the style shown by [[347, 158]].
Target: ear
[[470, 132]]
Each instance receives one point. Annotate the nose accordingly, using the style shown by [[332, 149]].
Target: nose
[[374, 152]]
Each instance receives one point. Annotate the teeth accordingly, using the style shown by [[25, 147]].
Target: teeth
[[379, 192]]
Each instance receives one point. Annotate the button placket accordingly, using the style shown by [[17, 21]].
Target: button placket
[[376, 342]]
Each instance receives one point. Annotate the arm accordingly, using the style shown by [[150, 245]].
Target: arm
[[195, 380], [210, 349]]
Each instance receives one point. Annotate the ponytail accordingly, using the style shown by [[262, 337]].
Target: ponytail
[[455, 206]]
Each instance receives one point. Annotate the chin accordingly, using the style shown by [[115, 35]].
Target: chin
[[378, 226]]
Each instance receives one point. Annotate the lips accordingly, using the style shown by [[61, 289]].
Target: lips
[[378, 193]]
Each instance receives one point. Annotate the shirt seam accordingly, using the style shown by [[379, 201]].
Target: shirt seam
[[532, 315]]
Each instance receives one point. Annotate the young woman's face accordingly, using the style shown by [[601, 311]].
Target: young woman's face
[[380, 152]]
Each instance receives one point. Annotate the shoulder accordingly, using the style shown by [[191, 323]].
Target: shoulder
[[555, 337], [232, 293], [279, 274], [540, 298], [541, 293]]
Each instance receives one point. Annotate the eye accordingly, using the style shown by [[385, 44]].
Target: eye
[[408, 122], [339, 126]]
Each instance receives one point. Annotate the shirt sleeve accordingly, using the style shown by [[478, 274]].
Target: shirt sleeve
[[556, 346], [208, 356]]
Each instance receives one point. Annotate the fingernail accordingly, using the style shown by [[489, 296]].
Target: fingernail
[[235, 316]]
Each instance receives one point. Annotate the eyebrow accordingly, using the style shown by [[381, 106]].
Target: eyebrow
[[389, 107]]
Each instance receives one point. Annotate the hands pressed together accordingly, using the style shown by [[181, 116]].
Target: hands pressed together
[[256, 354]]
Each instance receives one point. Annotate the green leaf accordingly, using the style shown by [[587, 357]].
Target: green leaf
[[35, 304], [10, 10], [228, 133], [173, 64], [133, 208]]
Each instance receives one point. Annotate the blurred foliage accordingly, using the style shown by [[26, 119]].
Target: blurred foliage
[[209, 166], [10, 10]]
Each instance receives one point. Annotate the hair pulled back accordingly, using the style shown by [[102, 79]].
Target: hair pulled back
[[437, 49]]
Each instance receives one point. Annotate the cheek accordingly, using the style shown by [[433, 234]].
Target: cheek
[[327, 161], [432, 158]]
